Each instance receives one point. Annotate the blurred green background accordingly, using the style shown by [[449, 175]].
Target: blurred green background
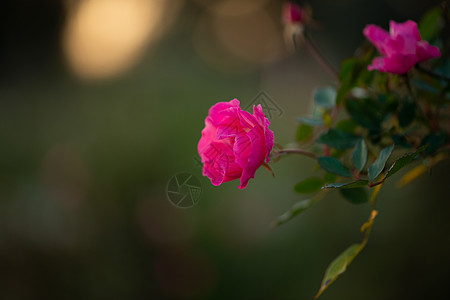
[[103, 101]]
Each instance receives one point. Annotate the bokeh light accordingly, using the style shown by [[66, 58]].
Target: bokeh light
[[232, 7], [238, 36], [103, 38]]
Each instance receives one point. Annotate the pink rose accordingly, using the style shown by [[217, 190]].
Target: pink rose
[[234, 143], [292, 13], [401, 48]]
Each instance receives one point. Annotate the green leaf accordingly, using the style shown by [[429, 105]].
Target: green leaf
[[444, 68], [296, 209], [325, 97], [356, 195], [380, 79], [431, 24], [425, 86], [338, 139], [347, 68], [310, 121], [309, 185], [434, 140], [352, 70], [389, 106], [333, 165], [364, 112], [347, 125], [378, 165], [338, 266], [304, 132], [400, 140], [359, 155], [330, 177], [407, 113], [343, 91], [348, 75], [403, 161], [347, 185], [346, 86]]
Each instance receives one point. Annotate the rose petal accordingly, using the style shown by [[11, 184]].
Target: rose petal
[[269, 140], [222, 112], [257, 155], [400, 44], [399, 63], [234, 172], [406, 29], [208, 135], [242, 148], [425, 51], [247, 119], [377, 64], [220, 165], [259, 114], [377, 35], [229, 129], [211, 171]]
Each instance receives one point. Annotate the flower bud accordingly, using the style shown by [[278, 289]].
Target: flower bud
[[292, 13]]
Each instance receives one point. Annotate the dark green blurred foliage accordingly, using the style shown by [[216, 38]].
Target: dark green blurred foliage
[[84, 166], [387, 110]]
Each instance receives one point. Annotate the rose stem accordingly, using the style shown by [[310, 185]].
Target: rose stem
[[298, 151], [319, 57]]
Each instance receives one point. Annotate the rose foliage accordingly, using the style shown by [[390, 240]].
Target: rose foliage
[[387, 108]]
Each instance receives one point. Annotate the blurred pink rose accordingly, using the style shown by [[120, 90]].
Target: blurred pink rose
[[234, 143], [292, 13], [401, 48]]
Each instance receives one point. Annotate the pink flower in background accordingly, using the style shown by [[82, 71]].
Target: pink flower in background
[[402, 47], [234, 143], [292, 13]]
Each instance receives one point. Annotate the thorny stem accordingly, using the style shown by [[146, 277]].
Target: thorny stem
[[374, 195], [376, 183], [367, 235], [327, 66], [295, 151], [369, 224], [319, 57]]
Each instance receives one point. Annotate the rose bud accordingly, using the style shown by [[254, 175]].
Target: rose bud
[[292, 13]]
